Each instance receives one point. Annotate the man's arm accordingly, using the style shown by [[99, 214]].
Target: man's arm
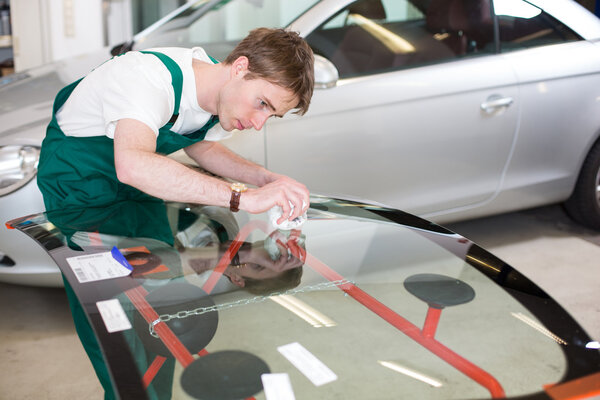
[[138, 165], [218, 159]]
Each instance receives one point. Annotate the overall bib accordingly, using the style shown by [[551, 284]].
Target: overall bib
[[79, 172]]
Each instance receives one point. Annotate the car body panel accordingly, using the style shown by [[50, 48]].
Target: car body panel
[[390, 128], [551, 146], [28, 264]]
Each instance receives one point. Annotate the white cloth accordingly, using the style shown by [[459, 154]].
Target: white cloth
[[275, 213], [137, 86]]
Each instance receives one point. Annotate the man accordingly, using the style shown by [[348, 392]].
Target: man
[[111, 131]]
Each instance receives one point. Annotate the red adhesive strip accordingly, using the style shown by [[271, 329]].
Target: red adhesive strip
[[136, 249], [153, 370], [577, 389], [160, 268], [203, 353], [431, 322], [137, 296]]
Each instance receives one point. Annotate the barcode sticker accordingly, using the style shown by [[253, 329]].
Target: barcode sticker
[[317, 372], [277, 387], [96, 267], [113, 315]]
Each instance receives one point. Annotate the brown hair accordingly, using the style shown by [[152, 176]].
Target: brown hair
[[280, 57]]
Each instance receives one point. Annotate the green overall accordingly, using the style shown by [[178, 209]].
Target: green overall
[[79, 172]]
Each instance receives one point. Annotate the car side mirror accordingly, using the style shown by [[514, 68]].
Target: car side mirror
[[326, 74], [121, 48]]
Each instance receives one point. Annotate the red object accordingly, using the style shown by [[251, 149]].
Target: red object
[[577, 389], [153, 370]]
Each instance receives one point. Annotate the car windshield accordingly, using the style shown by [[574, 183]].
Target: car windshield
[[219, 26], [389, 305]]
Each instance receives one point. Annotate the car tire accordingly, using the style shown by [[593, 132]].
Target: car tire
[[584, 204]]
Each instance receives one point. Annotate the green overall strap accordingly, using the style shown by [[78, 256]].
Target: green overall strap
[[176, 77], [169, 141]]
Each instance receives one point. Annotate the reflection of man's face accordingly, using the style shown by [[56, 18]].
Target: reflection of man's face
[[264, 266]]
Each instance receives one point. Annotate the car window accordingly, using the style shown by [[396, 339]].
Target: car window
[[224, 25], [370, 36], [522, 25]]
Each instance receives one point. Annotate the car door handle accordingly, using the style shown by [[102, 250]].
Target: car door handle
[[494, 102]]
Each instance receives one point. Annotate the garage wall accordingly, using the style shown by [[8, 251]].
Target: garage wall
[[50, 30]]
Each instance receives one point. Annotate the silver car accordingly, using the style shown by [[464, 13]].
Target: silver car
[[449, 109]]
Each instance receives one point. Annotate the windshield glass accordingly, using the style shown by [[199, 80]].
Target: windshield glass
[[390, 306], [218, 28]]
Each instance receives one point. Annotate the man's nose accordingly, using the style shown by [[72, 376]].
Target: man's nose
[[259, 119]]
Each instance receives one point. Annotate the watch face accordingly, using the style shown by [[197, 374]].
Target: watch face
[[238, 187]]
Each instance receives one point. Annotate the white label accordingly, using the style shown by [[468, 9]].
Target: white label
[[113, 315], [96, 267], [317, 372], [277, 387]]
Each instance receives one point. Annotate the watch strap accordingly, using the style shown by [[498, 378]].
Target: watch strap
[[234, 203]]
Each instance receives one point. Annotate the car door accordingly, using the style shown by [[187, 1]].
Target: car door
[[405, 125], [559, 77]]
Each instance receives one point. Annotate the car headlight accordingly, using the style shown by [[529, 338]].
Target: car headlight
[[18, 165]]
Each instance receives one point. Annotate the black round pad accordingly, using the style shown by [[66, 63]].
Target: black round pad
[[224, 375], [142, 262], [194, 331], [439, 291]]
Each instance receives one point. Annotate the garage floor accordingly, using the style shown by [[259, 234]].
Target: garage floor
[[41, 357]]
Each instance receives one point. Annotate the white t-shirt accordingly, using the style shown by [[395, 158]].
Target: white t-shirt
[[137, 86]]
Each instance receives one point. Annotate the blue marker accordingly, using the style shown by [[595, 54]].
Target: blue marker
[[120, 258]]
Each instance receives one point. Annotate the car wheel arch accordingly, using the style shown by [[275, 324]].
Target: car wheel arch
[[583, 205]]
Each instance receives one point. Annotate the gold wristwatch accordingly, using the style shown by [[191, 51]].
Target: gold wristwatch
[[236, 192]]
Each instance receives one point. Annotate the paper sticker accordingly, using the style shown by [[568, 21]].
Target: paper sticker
[[317, 372], [277, 387], [113, 315], [99, 266]]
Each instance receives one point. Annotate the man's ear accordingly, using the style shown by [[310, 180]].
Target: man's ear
[[237, 280], [239, 66]]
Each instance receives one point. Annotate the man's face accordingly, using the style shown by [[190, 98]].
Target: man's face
[[248, 103]]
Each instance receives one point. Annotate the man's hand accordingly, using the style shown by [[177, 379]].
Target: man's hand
[[274, 189], [279, 192]]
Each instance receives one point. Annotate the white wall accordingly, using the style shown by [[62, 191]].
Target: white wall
[[50, 30], [28, 31], [75, 27]]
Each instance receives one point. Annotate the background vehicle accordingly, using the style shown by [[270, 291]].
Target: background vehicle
[[449, 109]]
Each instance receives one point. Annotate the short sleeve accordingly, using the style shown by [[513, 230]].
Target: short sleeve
[[137, 86]]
